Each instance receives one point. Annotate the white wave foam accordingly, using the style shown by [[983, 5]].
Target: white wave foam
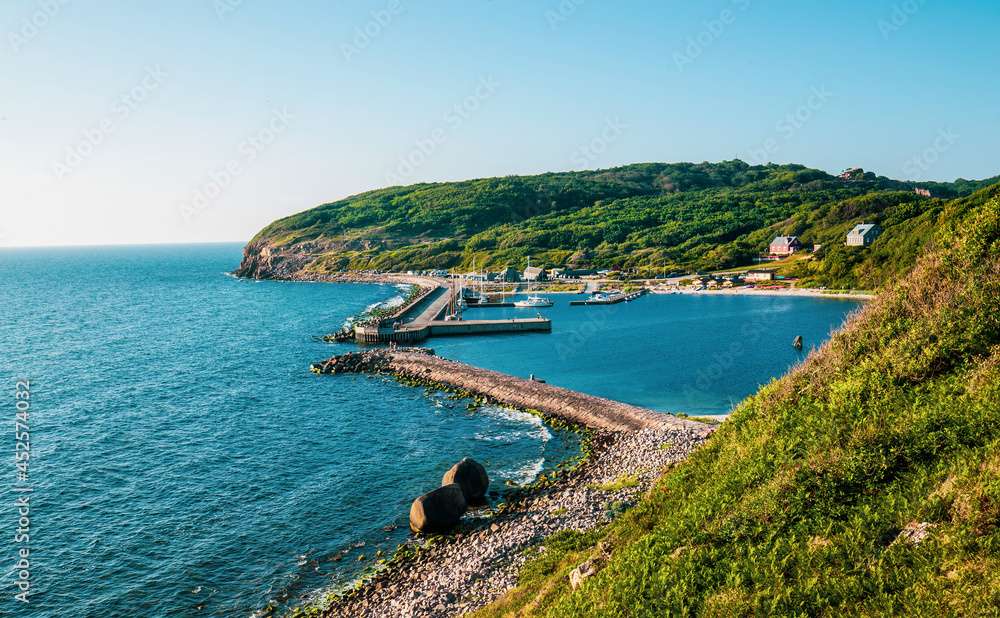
[[528, 472], [537, 427]]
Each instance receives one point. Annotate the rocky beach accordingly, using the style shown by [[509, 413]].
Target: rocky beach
[[480, 561]]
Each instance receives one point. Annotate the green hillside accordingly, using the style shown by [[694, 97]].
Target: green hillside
[[647, 218], [812, 498]]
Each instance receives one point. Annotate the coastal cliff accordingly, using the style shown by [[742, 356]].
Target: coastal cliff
[[262, 259]]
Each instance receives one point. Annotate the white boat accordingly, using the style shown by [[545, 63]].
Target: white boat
[[607, 297], [533, 301]]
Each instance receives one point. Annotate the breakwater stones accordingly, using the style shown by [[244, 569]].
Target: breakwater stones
[[374, 361], [371, 361], [440, 510], [471, 476]]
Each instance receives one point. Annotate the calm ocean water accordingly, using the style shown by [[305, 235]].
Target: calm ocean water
[[186, 463]]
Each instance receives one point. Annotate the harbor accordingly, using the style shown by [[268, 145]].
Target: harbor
[[437, 312]]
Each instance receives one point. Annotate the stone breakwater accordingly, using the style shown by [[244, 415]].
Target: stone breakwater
[[630, 448], [422, 365]]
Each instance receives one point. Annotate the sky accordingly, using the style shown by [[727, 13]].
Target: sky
[[204, 120]]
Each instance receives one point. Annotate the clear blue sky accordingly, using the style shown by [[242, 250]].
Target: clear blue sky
[[203, 120]]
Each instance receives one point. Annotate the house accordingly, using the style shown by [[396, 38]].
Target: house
[[761, 274], [922, 192], [572, 273], [785, 245], [863, 234], [510, 275], [852, 173], [534, 273]]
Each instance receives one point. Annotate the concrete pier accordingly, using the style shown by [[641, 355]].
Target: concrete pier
[[424, 317]]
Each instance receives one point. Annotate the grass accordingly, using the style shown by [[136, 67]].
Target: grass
[[794, 504], [626, 481]]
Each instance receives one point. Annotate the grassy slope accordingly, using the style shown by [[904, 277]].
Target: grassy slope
[[651, 217], [793, 505]]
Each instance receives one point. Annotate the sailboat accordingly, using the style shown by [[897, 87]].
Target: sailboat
[[533, 300]]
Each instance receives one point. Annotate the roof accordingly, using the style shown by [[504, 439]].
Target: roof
[[784, 241], [533, 270], [862, 229]]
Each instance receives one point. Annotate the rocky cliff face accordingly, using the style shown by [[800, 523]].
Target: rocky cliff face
[[263, 260]]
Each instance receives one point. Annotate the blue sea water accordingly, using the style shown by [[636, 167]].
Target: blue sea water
[[184, 462]]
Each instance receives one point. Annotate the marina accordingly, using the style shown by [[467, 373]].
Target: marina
[[438, 312]]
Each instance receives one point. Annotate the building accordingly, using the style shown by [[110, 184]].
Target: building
[[510, 275], [572, 273], [922, 192], [534, 273], [852, 173], [785, 245], [761, 274], [863, 234]]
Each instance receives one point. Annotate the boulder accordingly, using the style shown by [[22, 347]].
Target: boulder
[[586, 570], [471, 477], [438, 510]]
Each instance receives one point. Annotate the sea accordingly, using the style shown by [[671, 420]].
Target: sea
[[177, 458]]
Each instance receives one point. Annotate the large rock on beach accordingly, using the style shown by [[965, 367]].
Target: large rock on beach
[[438, 510], [471, 477]]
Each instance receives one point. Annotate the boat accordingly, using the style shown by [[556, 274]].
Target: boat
[[609, 297], [533, 301]]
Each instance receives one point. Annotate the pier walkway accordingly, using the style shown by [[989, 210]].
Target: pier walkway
[[425, 318], [573, 406]]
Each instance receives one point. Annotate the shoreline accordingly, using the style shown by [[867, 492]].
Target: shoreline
[[799, 292], [454, 574], [427, 281], [627, 449]]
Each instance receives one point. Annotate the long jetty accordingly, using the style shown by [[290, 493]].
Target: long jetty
[[424, 317], [422, 365]]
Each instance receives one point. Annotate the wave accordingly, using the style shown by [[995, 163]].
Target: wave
[[526, 473], [537, 428]]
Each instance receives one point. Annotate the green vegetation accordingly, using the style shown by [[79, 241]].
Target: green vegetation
[[624, 482], [646, 218], [796, 505]]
